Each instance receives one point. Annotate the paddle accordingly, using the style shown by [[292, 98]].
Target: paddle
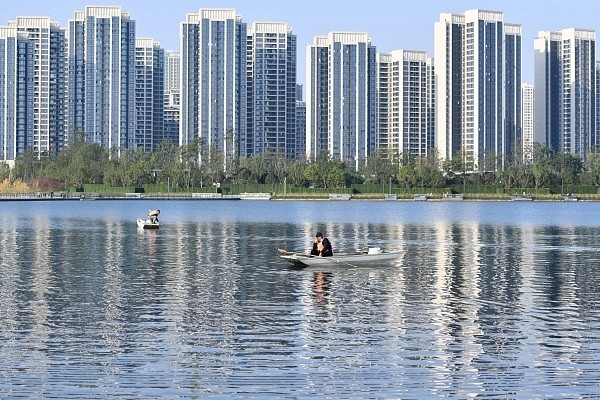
[[284, 251]]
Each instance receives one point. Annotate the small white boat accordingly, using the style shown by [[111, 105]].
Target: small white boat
[[374, 256], [146, 223]]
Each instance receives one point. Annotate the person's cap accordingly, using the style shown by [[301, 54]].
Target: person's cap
[[319, 234]]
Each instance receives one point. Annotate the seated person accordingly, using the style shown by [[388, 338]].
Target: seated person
[[321, 246]]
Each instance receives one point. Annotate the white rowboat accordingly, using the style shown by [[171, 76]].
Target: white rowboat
[[146, 223], [348, 259]]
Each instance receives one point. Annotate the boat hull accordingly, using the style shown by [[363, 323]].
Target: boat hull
[[145, 223], [351, 260]]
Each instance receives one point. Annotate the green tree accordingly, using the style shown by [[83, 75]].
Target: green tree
[[406, 176], [591, 174], [4, 171], [541, 164], [296, 172], [325, 172], [378, 167], [215, 165], [567, 168]]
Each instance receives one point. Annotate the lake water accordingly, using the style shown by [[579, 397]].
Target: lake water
[[493, 300]]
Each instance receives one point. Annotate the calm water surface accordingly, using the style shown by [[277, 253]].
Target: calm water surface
[[492, 300]]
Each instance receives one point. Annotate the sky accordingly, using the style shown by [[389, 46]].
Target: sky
[[391, 24]]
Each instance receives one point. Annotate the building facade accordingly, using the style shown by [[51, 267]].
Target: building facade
[[528, 123], [565, 95], [405, 113], [149, 94], [101, 77], [478, 84], [271, 84], [47, 135], [172, 71], [341, 96], [172, 96], [213, 75], [17, 60], [300, 129]]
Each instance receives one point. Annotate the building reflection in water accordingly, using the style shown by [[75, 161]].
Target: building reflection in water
[[464, 297]]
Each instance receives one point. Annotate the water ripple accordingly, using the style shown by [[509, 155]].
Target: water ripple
[[484, 310]]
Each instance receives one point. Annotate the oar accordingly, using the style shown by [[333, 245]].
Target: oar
[[284, 251]]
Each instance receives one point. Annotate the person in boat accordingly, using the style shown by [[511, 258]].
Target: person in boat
[[153, 216], [321, 246]]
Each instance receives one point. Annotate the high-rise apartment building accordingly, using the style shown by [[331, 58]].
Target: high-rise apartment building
[[341, 96], [149, 94], [213, 76], [478, 88], [172, 71], [299, 92], [527, 93], [597, 103], [172, 98], [101, 71], [271, 69], [300, 122], [405, 103], [300, 129], [565, 90], [46, 136], [17, 55]]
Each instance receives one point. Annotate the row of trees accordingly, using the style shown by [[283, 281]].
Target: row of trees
[[193, 166]]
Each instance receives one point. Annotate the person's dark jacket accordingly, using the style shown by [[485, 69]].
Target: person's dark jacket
[[327, 249]]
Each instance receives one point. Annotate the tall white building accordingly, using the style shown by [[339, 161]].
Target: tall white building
[[46, 136], [300, 129], [300, 122], [172, 97], [565, 90], [271, 68], [527, 93], [101, 71], [478, 83], [597, 103], [16, 93], [405, 106], [149, 94], [172, 71], [213, 80], [341, 96]]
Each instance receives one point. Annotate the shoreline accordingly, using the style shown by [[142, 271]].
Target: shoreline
[[68, 196]]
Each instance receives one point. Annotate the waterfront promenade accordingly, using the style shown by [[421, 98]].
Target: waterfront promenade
[[79, 196]]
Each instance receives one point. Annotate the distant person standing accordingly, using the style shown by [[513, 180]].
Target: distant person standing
[[321, 246]]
